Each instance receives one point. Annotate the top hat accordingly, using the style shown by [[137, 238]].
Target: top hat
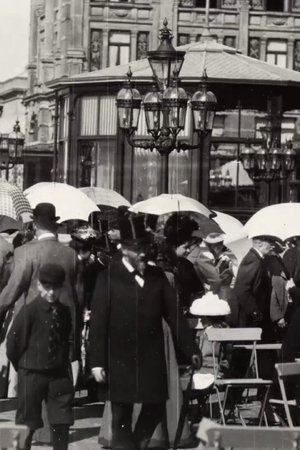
[[52, 274], [45, 212], [214, 238], [132, 229]]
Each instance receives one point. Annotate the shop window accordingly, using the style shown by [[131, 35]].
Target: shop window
[[119, 48], [202, 3], [274, 5], [277, 53]]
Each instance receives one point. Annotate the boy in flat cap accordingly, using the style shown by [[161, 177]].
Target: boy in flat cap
[[38, 345]]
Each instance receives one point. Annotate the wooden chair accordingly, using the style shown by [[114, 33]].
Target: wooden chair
[[219, 437], [13, 436], [242, 336], [284, 371]]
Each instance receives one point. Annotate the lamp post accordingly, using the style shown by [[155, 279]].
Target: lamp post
[[165, 106], [12, 146], [270, 162]]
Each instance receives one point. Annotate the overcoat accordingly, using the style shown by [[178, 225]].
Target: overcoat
[[126, 333], [22, 285], [253, 290]]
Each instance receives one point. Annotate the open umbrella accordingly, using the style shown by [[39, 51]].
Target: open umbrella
[[281, 220], [107, 197], [13, 203], [70, 202], [232, 227], [168, 203]]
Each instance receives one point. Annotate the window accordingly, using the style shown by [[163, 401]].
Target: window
[[119, 48], [202, 3], [277, 53], [274, 5]]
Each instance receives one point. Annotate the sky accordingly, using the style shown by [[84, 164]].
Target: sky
[[14, 35]]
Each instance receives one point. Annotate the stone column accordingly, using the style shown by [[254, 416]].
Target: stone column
[[105, 49], [290, 54], [75, 52], [65, 31], [243, 27], [133, 45], [263, 48]]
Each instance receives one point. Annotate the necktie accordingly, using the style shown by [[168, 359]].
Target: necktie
[[54, 334]]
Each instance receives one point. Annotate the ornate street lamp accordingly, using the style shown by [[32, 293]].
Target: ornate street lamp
[[13, 148], [165, 105], [269, 163]]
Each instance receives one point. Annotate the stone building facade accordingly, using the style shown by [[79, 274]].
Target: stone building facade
[[68, 37]]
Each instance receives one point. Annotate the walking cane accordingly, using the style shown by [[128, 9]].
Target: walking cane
[[183, 410]]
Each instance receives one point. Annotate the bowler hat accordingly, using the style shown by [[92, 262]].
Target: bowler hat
[[45, 212], [132, 229], [52, 274]]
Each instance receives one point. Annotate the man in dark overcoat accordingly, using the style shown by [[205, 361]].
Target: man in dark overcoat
[[126, 337], [253, 293]]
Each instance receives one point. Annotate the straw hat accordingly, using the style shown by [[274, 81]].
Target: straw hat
[[209, 305]]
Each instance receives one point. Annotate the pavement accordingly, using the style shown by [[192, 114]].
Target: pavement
[[87, 421]]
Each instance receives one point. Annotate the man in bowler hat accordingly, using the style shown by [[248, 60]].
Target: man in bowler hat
[[126, 337], [22, 286], [38, 345]]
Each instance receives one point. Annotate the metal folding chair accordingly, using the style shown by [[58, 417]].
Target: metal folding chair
[[13, 436], [243, 336], [219, 437], [284, 371]]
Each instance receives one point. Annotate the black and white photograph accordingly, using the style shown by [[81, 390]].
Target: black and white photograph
[[149, 224]]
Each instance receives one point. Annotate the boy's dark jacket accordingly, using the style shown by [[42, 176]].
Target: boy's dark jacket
[[28, 338]]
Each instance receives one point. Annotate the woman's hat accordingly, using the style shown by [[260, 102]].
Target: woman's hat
[[210, 305], [85, 234], [214, 238]]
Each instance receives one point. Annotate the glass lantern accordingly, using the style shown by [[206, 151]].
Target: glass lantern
[[289, 158], [15, 142], [128, 103], [166, 59], [275, 156], [248, 159], [204, 105], [174, 103], [153, 110]]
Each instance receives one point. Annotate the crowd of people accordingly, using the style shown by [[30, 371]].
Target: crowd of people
[[124, 308]]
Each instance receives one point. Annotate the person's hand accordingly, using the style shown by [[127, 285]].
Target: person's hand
[[196, 361], [257, 317], [282, 323], [289, 284], [99, 374], [181, 250]]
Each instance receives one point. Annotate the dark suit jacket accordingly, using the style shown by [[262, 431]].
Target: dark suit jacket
[[252, 288], [28, 338], [126, 333], [22, 284]]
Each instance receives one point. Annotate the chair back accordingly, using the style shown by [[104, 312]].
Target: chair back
[[13, 436], [285, 370], [288, 369], [234, 335], [253, 437]]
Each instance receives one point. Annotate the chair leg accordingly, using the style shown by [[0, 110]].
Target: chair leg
[[220, 405], [263, 406]]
